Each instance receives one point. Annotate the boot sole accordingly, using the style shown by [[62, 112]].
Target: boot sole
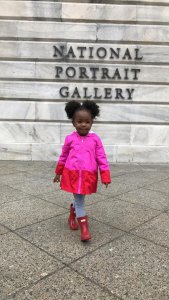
[[86, 240]]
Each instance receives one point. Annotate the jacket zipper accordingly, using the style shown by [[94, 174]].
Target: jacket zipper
[[80, 181], [80, 177]]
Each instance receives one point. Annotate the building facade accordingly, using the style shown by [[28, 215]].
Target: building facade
[[113, 52]]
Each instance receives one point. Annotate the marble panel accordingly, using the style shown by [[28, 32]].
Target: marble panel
[[50, 152], [84, 31], [8, 29], [115, 153], [151, 154], [45, 50], [17, 110], [17, 69], [15, 151], [154, 53], [98, 12], [64, 71], [152, 13], [47, 70], [133, 33], [30, 9], [78, 11], [55, 30], [51, 91], [150, 135], [115, 12], [109, 133], [49, 30], [23, 132], [110, 112], [144, 1], [139, 153]]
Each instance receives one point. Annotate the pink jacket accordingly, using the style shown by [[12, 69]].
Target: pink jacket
[[79, 161]]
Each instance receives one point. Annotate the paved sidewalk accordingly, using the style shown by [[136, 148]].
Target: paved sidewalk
[[127, 258]]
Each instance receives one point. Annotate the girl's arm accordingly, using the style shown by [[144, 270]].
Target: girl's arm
[[63, 157], [102, 163]]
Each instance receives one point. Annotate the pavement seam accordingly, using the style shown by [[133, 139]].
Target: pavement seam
[[71, 201], [65, 264], [103, 288], [143, 205], [92, 251], [150, 241], [126, 231], [135, 189], [13, 294], [130, 231], [13, 230], [137, 226], [39, 248], [162, 192], [96, 283], [53, 256]]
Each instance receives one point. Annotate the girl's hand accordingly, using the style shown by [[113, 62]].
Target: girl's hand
[[57, 178], [106, 184]]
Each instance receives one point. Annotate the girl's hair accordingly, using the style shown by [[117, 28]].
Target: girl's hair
[[74, 106]]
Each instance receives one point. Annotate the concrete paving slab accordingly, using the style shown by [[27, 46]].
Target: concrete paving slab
[[66, 284], [37, 167], [130, 267], [14, 163], [27, 211], [156, 230], [3, 229], [162, 186], [150, 198], [126, 266], [55, 237], [21, 177], [157, 167], [64, 199], [140, 179], [120, 214], [9, 194], [4, 171], [35, 187], [125, 167], [22, 264], [115, 189]]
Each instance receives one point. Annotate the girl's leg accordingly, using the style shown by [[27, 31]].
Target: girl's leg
[[79, 205], [72, 218], [81, 217]]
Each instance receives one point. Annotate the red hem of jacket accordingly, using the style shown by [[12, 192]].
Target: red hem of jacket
[[71, 182]]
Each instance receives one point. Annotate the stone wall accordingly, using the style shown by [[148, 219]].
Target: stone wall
[[115, 52]]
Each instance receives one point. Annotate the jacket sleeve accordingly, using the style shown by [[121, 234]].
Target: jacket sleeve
[[102, 162], [63, 157]]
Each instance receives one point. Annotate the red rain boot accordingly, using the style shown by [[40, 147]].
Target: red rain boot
[[72, 218], [83, 223]]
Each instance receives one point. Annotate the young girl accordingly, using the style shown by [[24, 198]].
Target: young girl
[[77, 168]]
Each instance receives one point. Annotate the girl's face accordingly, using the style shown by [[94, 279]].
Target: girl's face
[[82, 121]]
